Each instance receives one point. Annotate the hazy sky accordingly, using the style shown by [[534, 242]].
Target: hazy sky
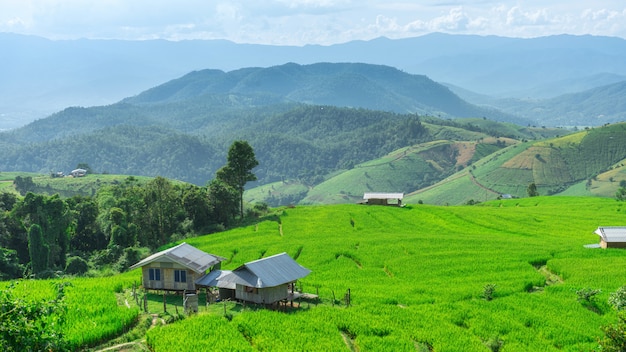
[[299, 22]]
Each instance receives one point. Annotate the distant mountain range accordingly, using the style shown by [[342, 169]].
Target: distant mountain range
[[592, 107], [304, 121], [325, 133], [373, 87], [41, 76]]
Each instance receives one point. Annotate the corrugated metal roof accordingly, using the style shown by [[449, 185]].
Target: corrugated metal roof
[[268, 272], [375, 195], [612, 233], [185, 255], [216, 278]]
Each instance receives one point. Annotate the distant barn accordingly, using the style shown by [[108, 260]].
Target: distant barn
[[78, 172], [383, 199], [176, 268], [612, 236], [263, 281]]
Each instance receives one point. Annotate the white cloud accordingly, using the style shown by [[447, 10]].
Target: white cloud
[[455, 20], [300, 22], [519, 17]]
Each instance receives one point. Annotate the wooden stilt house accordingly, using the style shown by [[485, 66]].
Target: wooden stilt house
[[176, 268], [263, 281]]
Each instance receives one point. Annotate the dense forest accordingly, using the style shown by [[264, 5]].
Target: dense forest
[[46, 235], [304, 142]]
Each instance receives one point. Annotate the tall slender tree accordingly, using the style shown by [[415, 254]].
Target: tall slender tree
[[238, 169], [38, 250], [163, 209]]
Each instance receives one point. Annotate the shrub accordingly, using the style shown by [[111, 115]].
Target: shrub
[[617, 299], [494, 344], [488, 291], [129, 257], [32, 326], [76, 266], [587, 295], [614, 336]]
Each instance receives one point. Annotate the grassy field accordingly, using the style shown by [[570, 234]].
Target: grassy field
[[68, 186], [97, 310], [87, 185], [281, 193], [6, 180], [417, 278]]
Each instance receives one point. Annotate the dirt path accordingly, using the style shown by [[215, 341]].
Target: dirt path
[[480, 185], [137, 345], [349, 341], [127, 347]]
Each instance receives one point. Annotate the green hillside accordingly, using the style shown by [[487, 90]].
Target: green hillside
[[67, 187], [401, 171], [581, 160], [450, 146], [417, 278]]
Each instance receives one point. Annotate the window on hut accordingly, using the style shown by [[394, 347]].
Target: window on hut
[[155, 274], [180, 276]]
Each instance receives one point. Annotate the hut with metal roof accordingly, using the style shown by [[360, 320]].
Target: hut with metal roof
[[176, 268], [215, 278], [263, 281], [612, 236], [377, 198]]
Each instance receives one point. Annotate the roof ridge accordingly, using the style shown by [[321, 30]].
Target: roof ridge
[[265, 258]]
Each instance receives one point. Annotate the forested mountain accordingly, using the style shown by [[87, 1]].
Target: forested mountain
[[366, 86], [308, 141], [96, 72], [212, 102], [181, 129]]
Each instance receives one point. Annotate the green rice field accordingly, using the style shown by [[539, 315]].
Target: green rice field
[[417, 277]]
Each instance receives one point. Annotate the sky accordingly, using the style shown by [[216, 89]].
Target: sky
[[301, 22]]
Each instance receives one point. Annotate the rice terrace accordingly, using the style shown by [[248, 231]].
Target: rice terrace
[[501, 275]]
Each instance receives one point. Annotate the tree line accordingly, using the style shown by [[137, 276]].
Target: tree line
[[43, 236]]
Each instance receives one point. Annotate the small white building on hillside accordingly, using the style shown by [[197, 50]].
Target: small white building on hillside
[[378, 198], [78, 172], [612, 236]]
